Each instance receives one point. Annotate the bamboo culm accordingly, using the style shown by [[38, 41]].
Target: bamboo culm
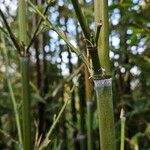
[[105, 113], [26, 116]]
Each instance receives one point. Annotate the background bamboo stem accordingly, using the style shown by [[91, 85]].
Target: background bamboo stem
[[22, 21], [26, 103], [24, 61], [89, 105], [123, 119], [12, 94]]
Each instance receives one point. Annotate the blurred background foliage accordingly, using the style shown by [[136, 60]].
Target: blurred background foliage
[[52, 65]]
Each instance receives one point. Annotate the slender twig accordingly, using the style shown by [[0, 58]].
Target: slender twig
[[61, 34], [37, 29], [67, 80], [12, 36], [8, 136], [46, 140], [12, 94], [3, 30]]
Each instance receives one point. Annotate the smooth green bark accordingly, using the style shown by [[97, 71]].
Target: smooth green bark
[[24, 61], [105, 113], [101, 15], [22, 21], [103, 85], [26, 118]]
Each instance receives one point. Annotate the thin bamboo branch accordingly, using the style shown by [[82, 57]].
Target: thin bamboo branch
[[37, 29], [81, 19], [9, 136], [12, 36], [67, 80], [46, 140], [61, 34], [91, 44], [12, 94]]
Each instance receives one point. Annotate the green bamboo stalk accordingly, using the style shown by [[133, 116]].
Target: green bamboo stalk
[[24, 61], [12, 94], [26, 103], [103, 83], [103, 89], [123, 119], [101, 15], [22, 21], [92, 47]]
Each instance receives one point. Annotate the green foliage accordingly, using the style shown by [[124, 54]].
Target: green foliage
[[53, 73]]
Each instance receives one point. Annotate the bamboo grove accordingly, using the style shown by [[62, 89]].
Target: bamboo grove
[[74, 75]]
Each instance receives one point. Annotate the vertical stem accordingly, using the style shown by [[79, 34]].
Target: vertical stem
[[24, 60], [123, 119], [105, 113], [101, 14], [81, 19], [12, 94], [90, 125], [103, 86], [89, 111], [26, 103], [22, 21], [81, 137]]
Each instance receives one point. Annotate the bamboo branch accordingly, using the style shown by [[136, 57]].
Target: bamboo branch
[[81, 19], [37, 29], [12, 36], [12, 95], [61, 34], [46, 140]]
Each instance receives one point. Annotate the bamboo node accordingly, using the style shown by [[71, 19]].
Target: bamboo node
[[89, 103], [101, 83], [81, 137]]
